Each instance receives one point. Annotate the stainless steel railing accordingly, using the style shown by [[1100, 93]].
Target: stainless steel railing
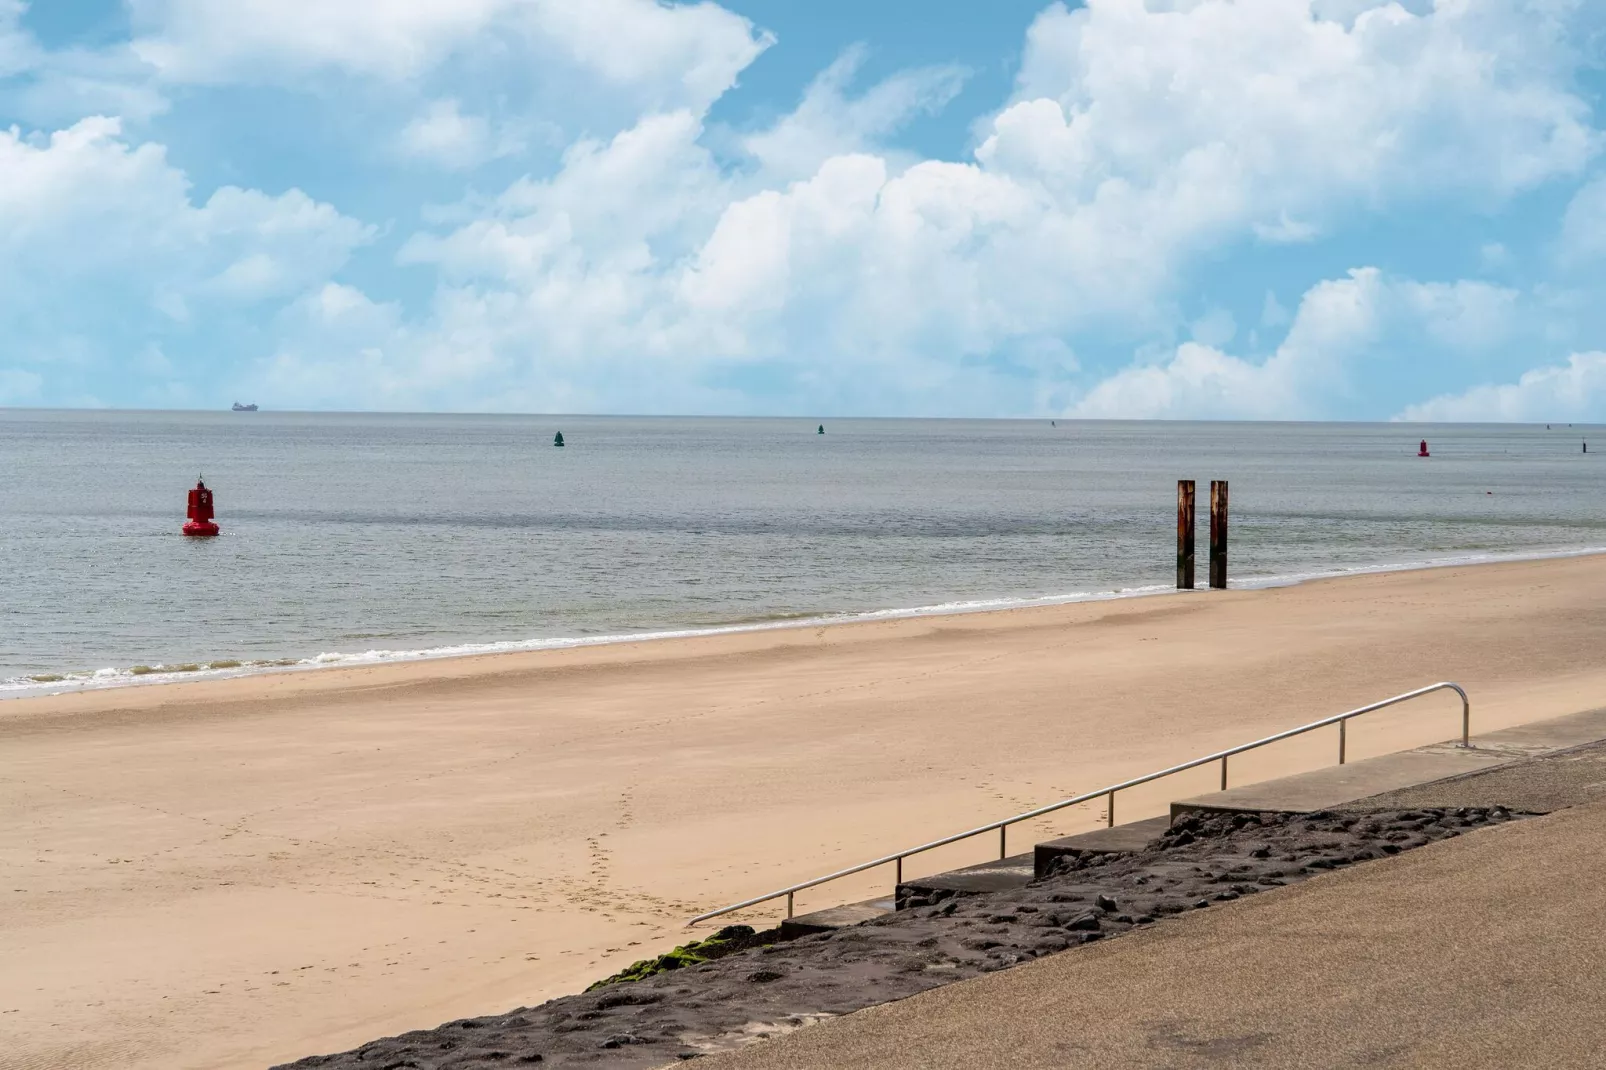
[[1002, 827]]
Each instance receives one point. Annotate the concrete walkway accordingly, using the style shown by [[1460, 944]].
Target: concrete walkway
[[1484, 951]]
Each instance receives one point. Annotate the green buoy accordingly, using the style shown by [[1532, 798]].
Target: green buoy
[[821, 431], [558, 439]]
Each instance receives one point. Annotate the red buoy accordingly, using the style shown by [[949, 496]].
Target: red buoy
[[1422, 451], [200, 523]]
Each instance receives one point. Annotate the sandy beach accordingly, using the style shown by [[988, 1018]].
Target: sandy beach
[[234, 873]]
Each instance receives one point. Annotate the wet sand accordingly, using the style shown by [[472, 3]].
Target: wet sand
[[236, 873]]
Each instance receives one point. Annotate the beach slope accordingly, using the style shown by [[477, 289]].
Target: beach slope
[[240, 872]]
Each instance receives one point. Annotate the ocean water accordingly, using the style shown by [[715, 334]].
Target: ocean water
[[371, 537]]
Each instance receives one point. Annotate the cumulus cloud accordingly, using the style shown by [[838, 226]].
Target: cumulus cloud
[[1342, 329], [1575, 391], [1140, 136], [646, 271], [1301, 115], [85, 203], [85, 212]]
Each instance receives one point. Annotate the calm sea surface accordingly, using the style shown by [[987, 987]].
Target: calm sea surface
[[364, 537]]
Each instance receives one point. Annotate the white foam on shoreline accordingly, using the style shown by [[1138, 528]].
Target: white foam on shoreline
[[23, 686]]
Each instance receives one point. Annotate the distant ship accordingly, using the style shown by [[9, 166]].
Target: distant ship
[[245, 408]]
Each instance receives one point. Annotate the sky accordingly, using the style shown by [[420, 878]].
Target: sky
[[1237, 209]]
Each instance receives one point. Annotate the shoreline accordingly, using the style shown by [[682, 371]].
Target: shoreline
[[110, 679]]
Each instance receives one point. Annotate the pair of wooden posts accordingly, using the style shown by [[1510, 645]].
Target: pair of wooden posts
[[1218, 534]]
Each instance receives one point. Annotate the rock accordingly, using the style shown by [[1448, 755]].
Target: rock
[[764, 977], [1260, 852], [1085, 923], [1201, 904], [1105, 903]]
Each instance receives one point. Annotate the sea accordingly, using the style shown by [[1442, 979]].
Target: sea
[[363, 538]]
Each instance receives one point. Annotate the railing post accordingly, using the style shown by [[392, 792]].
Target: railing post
[[1218, 534], [899, 879], [1185, 527], [1342, 720]]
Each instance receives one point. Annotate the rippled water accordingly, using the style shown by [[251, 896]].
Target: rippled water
[[351, 534]]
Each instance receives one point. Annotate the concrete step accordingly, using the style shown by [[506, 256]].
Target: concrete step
[[1121, 839], [821, 921], [1330, 788], [1545, 737], [999, 875], [1339, 785]]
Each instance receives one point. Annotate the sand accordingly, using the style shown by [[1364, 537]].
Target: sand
[[778, 986], [237, 873]]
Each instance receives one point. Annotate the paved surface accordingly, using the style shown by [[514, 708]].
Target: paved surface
[[1389, 774], [1536, 787], [1324, 789], [1483, 951]]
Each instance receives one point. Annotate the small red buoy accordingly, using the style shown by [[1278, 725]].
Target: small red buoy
[[200, 523], [1422, 451]]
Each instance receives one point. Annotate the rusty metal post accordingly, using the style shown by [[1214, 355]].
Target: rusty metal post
[[1218, 534], [1185, 534]]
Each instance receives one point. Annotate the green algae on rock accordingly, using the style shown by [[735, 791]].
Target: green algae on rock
[[728, 941]]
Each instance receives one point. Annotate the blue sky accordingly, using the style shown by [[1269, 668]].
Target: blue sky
[[1283, 209]]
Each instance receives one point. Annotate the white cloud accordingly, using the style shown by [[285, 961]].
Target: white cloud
[[647, 272], [18, 50], [1272, 313], [1575, 391], [1141, 136], [220, 41], [672, 56], [1583, 228], [19, 385], [1302, 113], [100, 243], [444, 136], [1335, 321], [1215, 328], [829, 122], [666, 56], [1342, 328]]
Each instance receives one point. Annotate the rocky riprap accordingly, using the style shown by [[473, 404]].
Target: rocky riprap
[[684, 1013]]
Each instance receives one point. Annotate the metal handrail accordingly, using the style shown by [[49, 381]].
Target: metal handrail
[[1002, 827]]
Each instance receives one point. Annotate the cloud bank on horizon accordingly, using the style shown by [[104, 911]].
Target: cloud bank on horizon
[[1270, 209]]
